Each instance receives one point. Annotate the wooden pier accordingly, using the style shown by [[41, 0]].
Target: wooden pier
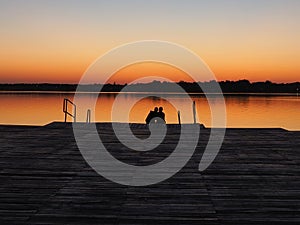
[[44, 179]]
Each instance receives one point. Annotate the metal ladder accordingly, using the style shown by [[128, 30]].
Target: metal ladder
[[66, 112]]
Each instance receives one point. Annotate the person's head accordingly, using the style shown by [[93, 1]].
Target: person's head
[[155, 109], [161, 109]]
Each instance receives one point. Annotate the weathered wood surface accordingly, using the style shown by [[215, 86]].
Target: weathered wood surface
[[255, 179]]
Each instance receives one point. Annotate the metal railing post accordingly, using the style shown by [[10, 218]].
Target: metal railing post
[[65, 109], [194, 112], [88, 116], [75, 113]]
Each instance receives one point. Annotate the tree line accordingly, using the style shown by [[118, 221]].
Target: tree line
[[241, 86]]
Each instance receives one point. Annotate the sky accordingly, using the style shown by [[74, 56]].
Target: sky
[[56, 40]]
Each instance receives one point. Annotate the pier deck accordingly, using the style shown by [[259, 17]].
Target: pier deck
[[255, 179]]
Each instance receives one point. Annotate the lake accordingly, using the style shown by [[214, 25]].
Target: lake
[[259, 111]]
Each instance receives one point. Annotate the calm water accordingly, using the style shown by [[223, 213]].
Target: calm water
[[242, 111]]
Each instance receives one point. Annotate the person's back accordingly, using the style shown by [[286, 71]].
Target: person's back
[[151, 115], [161, 114]]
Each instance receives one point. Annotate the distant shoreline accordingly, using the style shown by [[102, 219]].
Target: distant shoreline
[[228, 87], [137, 93]]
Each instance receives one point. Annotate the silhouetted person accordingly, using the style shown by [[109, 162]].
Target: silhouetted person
[[161, 114], [151, 115]]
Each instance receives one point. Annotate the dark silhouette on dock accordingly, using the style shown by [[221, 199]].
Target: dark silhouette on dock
[[152, 115], [156, 116]]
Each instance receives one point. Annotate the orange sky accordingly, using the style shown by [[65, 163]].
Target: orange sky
[[147, 69], [47, 41]]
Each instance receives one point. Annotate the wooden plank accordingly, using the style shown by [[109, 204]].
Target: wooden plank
[[255, 179]]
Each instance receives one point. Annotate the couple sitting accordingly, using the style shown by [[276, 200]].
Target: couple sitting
[[156, 116]]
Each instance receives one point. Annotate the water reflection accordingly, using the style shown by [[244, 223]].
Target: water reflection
[[242, 111]]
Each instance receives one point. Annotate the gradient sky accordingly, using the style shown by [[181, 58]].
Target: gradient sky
[[56, 40]]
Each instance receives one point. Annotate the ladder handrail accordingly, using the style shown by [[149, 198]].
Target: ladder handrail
[[194, 112], [179, 119], [65, 109], [88, 116]]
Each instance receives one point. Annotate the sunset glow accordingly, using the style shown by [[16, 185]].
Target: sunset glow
[[56, 41], [148, 69]]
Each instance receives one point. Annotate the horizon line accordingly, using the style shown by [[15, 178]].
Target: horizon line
[[114, 83]]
